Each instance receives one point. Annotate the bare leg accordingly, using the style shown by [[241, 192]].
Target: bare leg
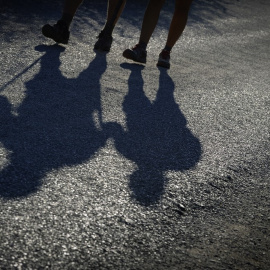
[[178, 22], [150, 20], [70, 6], [112, 4], [105, 39], [60, 31]]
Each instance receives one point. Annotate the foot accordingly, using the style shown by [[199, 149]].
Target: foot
[[104, 42], [58, 32], [164, 59], [137, 54]]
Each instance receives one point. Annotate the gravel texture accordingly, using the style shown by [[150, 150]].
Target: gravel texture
[[106, 164]]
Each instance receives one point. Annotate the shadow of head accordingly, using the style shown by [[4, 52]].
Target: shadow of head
[[147, 185]]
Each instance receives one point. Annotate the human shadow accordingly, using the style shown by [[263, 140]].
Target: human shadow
[[58, 124], [157, 137]]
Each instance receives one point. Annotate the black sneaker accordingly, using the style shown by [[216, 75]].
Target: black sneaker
[[137, 54], [58, 32], [104, 42], [164, 59]]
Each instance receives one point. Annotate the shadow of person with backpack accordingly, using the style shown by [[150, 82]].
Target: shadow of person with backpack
[[58, 124], [157, 137]]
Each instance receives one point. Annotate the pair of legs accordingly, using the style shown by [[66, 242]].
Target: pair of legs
[[60, 31], [151, 16], [71, 6], [178, 22]]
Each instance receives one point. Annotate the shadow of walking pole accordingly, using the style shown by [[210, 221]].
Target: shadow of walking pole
[[55, 126]]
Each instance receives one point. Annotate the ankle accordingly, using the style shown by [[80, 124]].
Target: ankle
[[143, 45], [167, 48], [108, 29], [67, 18]]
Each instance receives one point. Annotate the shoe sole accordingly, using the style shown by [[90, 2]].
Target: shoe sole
[[129, 54]]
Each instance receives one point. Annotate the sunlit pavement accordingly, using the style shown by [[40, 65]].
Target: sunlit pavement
[[106, 164]]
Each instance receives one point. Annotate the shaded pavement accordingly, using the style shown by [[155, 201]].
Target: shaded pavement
[[105, 164]]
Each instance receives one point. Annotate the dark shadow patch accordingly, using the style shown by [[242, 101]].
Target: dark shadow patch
[[157, 139], [54, 126]]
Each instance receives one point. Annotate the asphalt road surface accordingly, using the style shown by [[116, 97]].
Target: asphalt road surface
[[106, 164]]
